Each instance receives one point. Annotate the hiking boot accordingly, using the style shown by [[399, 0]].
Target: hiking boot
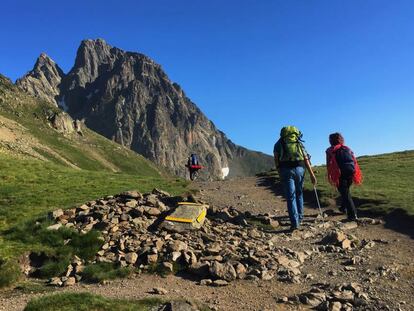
[[342, 210]]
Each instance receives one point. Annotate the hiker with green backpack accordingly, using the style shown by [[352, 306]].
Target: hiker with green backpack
[[291, 159]]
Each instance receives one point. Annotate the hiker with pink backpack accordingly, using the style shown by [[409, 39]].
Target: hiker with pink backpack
[[343, 171]]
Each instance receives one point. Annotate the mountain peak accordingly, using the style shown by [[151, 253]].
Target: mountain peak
[[43, 55], [98, 42], [43, 80], [98, 45], [91, 55], [44, 62]]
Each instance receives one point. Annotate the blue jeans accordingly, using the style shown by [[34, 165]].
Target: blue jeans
[[292, 179]]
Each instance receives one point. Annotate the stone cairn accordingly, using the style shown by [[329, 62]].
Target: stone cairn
[[230, 245], [226, 248]]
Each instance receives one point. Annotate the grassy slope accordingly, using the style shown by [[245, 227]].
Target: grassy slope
[[86, 301], [30, 187], [90, 151], [387, 183]]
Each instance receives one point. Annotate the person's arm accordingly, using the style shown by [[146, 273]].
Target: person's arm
[[308, 166], [328, 157], [276, 158], [277, 163], [311, 173]]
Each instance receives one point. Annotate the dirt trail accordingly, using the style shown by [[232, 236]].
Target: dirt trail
[[386, 270]]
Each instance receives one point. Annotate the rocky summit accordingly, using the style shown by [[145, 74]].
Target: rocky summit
[[128, 98], [44, 80]]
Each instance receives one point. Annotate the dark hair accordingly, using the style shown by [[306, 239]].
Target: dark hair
[[335, 139]]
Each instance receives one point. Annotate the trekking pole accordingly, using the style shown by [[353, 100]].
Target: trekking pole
[[316, 195], [317, 201]]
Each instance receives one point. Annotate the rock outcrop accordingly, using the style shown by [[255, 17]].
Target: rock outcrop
[[64, 124], [128, 98]]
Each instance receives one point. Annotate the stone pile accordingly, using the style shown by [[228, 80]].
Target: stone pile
[[336, 241], [226, 248], [229, 245]]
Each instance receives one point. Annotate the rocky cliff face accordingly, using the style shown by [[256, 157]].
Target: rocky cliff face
[[44, 80], [128, 98]]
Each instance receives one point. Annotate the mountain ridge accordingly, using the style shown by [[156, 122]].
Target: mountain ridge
[[128, 98]]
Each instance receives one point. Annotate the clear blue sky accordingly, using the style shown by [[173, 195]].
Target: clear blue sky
[[251, 66]]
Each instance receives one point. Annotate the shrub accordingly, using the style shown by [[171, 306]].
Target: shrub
[[9, 273], [86, 245], [59, 246], [53, 268], [83, 245]]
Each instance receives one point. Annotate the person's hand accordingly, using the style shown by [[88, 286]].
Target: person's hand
[[313, 179]]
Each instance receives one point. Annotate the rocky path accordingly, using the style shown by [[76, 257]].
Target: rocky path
[[339, 266]]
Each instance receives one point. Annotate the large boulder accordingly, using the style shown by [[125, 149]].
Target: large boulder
[[63, 123]]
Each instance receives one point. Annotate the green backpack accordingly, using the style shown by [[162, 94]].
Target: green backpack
[[291, 143]]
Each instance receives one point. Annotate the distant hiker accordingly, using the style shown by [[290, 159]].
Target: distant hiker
[[343, 170], [193, 166], [291, 159]]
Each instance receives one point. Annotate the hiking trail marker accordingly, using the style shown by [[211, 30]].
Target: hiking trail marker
[[186, 216]]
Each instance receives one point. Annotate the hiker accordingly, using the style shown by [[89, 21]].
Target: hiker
[[291, 159], [193, 166], [343, 170]]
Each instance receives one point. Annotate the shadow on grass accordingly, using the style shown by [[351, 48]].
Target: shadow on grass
[[397, 219]]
